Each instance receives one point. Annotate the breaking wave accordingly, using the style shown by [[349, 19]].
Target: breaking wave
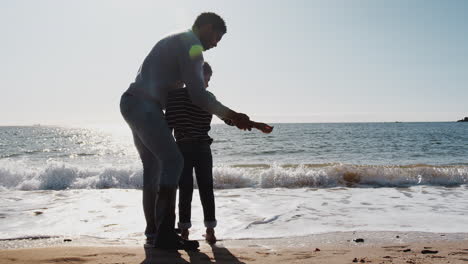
[[61, 176]]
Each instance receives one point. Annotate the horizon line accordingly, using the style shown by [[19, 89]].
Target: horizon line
[[217, 123]]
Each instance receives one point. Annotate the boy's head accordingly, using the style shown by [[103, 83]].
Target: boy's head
[[207, 72], [210, 28]]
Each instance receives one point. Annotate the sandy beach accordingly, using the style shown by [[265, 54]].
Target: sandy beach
[[345, 247]]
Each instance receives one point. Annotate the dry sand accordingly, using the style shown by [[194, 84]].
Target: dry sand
[[406, 249]]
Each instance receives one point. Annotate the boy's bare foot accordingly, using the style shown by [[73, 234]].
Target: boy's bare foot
[[184, 233], [210, 236]]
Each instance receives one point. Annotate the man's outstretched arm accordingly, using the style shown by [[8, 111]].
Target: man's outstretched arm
[[191, 65]]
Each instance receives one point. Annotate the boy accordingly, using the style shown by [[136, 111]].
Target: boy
[[191, 125]]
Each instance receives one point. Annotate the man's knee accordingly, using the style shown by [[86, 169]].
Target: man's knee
[[150, 174], [172, 169]]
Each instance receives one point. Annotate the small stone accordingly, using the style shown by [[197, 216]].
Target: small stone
[[317, 249], [407, 250], [397, 236], [359, 240], [355, 260], [67, 240], [38, 213]]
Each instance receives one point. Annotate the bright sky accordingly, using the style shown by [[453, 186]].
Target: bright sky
[[68, 62]]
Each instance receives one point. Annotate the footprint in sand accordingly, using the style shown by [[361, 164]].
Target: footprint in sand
[[245, 258], [396, 248], [460, 253], [120, 254], [299, 257], [92, 255], [66, 260], [340, 252], [305, 257]]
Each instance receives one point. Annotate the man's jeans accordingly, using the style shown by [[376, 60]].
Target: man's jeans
[[161, 158], [197, 155]]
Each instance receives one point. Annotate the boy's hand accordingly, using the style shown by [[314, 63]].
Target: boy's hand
[[263, 127]]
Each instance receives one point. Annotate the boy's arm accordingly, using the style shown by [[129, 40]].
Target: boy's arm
[[267, 129]]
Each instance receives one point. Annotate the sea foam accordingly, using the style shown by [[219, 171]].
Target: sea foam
[[60, 176]]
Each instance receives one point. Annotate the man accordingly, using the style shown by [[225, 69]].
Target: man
[[176, 57]]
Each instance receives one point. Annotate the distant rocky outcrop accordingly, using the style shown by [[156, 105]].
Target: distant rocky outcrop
[[463, 120]]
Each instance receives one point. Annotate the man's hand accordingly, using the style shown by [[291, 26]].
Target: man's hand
[[242, 121], [263, 127]]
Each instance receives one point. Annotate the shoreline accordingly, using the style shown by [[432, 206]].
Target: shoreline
[[336, 247], [326, 238]]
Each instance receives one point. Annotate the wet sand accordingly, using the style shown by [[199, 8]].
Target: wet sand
[[363, 247]]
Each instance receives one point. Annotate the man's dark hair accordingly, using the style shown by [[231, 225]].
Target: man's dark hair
[[210, 18], [207, 68]]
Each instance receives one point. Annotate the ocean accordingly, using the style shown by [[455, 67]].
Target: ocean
[[301, 179]]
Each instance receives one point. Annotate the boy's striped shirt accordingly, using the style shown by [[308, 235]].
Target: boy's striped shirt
[[190, 122]]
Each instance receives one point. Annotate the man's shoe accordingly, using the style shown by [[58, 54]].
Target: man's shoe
[[177, 243]]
